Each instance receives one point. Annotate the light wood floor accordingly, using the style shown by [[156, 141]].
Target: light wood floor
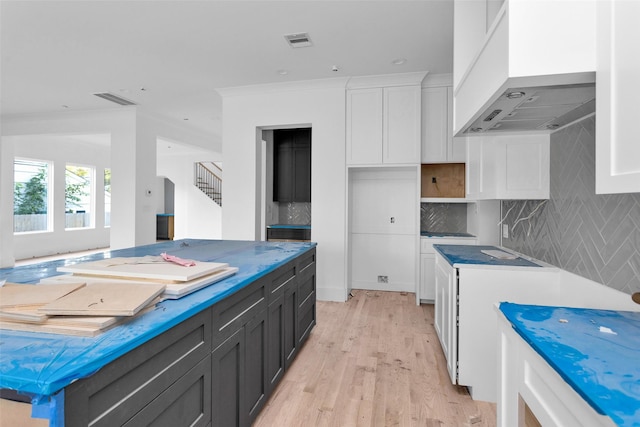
[[373, 361]]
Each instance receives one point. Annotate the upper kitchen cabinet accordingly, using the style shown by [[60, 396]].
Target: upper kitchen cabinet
[[617, 87], [508, 167], [292, 165], [438, 144], [383, 120], [508, 55]]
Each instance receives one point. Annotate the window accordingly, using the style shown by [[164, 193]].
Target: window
[[32, 200], [78, 196], [107, 197]]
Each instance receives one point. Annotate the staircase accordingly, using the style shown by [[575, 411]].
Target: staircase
[[207, 177]]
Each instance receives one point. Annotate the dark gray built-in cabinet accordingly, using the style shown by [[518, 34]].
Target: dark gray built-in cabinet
[[216, 368], [292, 165]]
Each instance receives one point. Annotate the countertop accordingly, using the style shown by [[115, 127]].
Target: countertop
[[459, 255], [290, 226], [446, 234], [602, 367], [41, 364]]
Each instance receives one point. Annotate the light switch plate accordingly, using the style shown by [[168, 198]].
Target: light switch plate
[[505, 231]]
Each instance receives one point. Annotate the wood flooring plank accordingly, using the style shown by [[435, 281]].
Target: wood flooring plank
[[374, 360]]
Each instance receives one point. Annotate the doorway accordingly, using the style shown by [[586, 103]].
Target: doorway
[[284, 173]]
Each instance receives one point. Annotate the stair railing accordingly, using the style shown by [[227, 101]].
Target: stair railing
[[208, 181]]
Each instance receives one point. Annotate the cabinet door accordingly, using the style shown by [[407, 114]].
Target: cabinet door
[[364, 126], [617, 88], [227, 379], [401, 140], [525, 172], [290, 325], [445, 321], [256, 383], [435, 124], [427, 277], [275, 349]]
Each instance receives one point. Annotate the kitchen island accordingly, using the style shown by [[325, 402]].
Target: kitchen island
[[209, 358], [569, 366]]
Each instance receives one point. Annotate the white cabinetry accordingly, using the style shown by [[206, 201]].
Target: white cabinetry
[[445, 314], [383, 228], [508, 167], [383, 125], [438, 144], [617, 88], [426, 292]]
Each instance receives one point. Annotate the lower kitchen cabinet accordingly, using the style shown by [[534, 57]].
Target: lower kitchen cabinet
[[239, 374], [426, 291], [168, 377], [216, 368], [210, 358]]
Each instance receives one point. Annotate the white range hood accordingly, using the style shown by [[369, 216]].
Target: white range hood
[[536, 109], [532, 70]]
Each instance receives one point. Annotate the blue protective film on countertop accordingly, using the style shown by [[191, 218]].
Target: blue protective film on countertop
[[472, 255], [602, 367], [39, 364], [444, 234], [290, 226]]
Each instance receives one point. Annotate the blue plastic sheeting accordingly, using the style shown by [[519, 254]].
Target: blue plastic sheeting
[[444, 234], [51, 408], [290, 226], [471, 255], [602, 367], [39, 364]]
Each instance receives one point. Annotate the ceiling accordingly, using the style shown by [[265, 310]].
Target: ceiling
[[171, 56]]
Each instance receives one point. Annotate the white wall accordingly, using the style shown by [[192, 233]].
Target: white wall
[[320, 105], [195, 214]]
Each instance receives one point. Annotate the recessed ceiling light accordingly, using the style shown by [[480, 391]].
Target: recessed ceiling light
[[398, 61], [283, 72]]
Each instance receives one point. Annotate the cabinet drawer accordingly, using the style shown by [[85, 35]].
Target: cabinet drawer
[[121, 389], [232, 313], [186, 402], [288, 234], [280, 279]]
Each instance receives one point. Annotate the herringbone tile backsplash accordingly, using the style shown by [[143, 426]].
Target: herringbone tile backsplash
[[594, 236]]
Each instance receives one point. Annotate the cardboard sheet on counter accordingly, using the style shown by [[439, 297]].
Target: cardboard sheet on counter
[[105, 299], [147, 268]]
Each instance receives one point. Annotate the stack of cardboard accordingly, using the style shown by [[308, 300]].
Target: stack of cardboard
[[73, 308], [102, 294]]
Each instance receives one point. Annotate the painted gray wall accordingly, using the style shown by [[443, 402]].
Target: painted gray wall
[[594, 236]]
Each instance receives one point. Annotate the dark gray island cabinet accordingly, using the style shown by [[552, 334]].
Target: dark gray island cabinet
[[218, 366]]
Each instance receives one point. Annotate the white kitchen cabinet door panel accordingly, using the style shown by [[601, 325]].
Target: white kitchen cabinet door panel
[[445, 313], [617, 88], [402, 123], [427, 289], [434, 125], [393, 256], [527, 169], [384, 201], [364, 126]]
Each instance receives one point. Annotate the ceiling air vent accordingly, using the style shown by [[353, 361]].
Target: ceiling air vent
[[298, 40], [114, 98]]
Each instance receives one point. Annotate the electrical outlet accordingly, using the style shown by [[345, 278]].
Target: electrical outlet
[[505, 231], [383, 279]]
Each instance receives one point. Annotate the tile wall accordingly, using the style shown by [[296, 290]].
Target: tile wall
[[443, 217], [294, 213], [594, 236]]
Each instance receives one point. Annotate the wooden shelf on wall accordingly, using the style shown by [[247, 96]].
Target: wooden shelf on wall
[[443, 180]]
